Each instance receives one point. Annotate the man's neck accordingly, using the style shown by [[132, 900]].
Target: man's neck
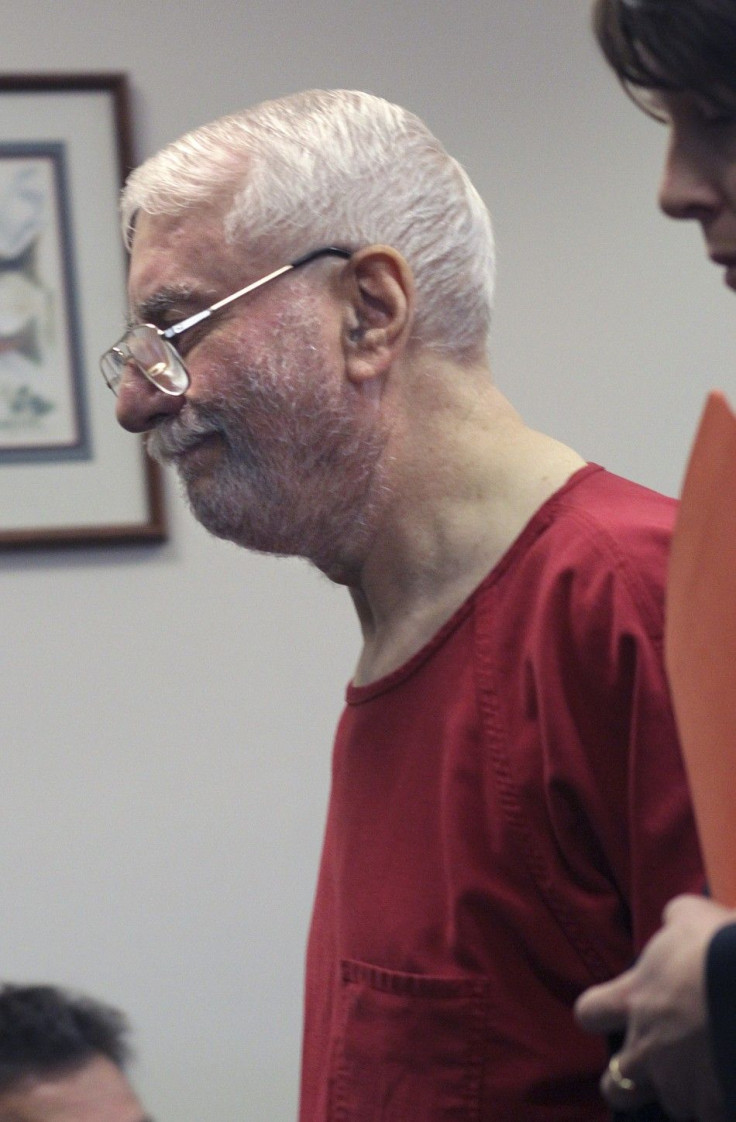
[[460, 502]]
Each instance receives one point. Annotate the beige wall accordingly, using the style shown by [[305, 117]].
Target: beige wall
[[166, 714]]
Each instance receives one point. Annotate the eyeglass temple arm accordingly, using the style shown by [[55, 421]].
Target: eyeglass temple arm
[[177, 328]]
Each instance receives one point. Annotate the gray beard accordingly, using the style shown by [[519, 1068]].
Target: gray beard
[[299, 468]]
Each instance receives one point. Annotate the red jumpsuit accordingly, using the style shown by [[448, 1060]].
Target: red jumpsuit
[[508, 817]]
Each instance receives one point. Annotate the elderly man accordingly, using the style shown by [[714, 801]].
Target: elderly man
[[62, 1059], [310, 292], [678, 1006]]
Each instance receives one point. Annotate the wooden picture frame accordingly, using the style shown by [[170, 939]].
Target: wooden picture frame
[[68, 474]]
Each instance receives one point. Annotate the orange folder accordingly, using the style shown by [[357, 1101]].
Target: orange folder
[[700, 639]]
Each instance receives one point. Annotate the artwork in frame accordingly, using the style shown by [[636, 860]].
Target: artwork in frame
[[68, 474]]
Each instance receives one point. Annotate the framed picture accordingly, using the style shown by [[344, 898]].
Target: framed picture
[[68, 474]]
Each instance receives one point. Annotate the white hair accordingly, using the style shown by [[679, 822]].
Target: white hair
[[344, 168]]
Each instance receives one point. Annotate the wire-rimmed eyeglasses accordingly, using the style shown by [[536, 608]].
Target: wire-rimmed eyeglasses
[[149, 347]]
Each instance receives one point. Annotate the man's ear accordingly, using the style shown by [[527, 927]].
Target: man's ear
[[379, 310]]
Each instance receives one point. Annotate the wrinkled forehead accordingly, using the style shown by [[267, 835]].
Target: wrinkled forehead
[[194, 234], [187, 249]]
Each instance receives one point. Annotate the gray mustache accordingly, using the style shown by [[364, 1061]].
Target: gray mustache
[[175, 436]]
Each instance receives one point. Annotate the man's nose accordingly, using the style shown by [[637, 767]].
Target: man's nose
[[140, 405]]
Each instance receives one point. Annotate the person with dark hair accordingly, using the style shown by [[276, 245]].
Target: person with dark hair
[[665, 48], [63, 1058], [677, 1005]]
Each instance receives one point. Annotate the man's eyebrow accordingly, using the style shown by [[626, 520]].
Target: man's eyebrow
[[169, 305]]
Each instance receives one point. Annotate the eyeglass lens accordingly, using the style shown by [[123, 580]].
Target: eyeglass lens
[[155, 357]]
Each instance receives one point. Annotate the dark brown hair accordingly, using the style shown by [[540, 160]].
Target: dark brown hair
[[672, 45], [45, 1031]]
